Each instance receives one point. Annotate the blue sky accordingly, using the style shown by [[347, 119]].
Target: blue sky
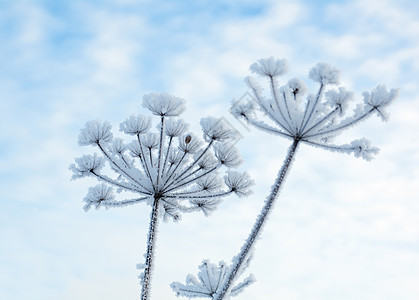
[[343, 228]]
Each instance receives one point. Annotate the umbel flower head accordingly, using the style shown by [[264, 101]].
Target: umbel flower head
[[171, 166], [209, 281], [318, 119]]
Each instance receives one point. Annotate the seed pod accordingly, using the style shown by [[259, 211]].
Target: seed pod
[[188, 139]]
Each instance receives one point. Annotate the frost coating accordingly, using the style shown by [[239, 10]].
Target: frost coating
[[172, 171]]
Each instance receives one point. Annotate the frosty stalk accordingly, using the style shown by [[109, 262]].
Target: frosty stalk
[[314, 121], [172, 171]]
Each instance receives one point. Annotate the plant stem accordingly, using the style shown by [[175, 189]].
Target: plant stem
[[150, 250], [160, 152], [260, 221]]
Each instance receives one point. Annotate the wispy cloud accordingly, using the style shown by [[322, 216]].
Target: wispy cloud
[[347, 235]]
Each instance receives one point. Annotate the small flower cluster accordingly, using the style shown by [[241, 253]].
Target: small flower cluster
[[321, 117], [173, 166], [210, 281]]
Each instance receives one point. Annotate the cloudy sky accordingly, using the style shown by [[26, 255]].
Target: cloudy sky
[[343, 228]]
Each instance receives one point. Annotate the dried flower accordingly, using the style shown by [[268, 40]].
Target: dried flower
[[171, 171]]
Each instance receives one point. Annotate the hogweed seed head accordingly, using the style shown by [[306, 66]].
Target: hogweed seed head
[[179, 170], [321, 117]]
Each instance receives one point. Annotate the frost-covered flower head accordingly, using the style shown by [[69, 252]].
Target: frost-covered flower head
[[216, 130], [95, 132], [297, 87], [208, 284], [163, 104], [318, 119], [270, 67], [324, 74], [99, 195], [176, 168]]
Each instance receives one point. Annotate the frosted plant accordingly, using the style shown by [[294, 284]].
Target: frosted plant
[[314, 121], [172, 171], [210, 281]]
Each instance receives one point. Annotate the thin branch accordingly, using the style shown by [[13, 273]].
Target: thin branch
[[180, 207], [187, 176], [151, 156], [262, 105], [273, 88], [174, 170], [179, 178], [193, 179], [328, 116], [160, 151], [267, 128], [344, 126], [305, 122], [145, 290], [144, 160], [120, 184], [124, 202], [260, 221], [118, 166], [167, 155], [200, 196]]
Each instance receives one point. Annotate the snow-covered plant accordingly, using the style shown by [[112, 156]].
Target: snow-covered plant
[[171, 170], [315, 120]]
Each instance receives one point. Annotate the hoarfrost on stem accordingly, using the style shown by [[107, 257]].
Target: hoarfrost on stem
[[171, 170], [315, 121]]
